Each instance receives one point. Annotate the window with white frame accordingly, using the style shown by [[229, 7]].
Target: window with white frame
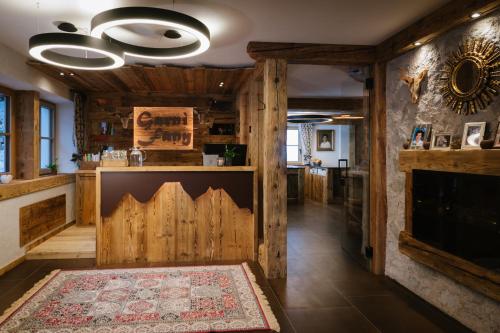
[[47, 137], [292, 144]]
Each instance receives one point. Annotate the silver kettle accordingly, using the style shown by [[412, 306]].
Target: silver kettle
[[136, 157]]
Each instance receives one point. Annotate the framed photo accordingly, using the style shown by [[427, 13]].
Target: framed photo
[[441, 141], [473, 134], [420, 134], [497, 137], [325, 140]]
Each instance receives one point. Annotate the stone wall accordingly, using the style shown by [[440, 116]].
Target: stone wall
[[474, 310]]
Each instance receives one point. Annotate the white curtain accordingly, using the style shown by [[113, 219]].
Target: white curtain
[[306, 132]]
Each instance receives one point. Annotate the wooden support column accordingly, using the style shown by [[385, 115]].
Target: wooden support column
[[378, 190], [27, 114], [274, 169], [242, 104]]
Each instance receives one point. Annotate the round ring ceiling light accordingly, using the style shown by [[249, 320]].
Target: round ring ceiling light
[[41, 46], [310, 118], [152, 16]]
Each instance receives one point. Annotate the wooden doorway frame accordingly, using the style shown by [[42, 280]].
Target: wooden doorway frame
[[450, 15]]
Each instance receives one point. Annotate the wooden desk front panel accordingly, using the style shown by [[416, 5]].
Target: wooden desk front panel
[[174, 227]]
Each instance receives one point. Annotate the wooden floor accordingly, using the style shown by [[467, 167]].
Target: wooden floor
[[72, 243]]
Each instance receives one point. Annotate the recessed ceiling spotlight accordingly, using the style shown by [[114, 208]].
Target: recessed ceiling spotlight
[[221, 84], [172, 34], [67, 27], [71, 74], [417, 43], [475, 15], [61, 74]]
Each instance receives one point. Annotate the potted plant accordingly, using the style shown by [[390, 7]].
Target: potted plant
[[53, 167], [229, 155]]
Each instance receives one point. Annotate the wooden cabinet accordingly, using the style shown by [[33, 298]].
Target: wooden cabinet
[[85, 197]]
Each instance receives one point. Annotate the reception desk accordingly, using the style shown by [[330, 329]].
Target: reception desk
[[175, 214]]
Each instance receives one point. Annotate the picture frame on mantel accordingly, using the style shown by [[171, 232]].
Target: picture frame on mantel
[[441, 141], [497, 137], [420, 133], [473, 134]]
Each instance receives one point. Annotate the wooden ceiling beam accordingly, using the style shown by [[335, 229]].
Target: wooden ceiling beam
[[450, 15], [334, 103], [315, 54]]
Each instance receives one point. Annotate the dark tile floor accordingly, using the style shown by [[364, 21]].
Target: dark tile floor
[[326, 291]]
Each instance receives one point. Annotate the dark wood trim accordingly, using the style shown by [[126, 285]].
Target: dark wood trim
[[464, 272], [450, 15], [378, 187], [318, 54], [334, 103]]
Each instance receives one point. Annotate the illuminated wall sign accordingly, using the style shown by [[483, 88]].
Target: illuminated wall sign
[[163, 128]]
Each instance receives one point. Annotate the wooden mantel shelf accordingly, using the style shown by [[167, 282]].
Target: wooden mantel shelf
[[477, 161]]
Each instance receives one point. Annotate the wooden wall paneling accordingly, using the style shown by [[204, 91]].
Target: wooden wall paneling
[[274, 168], [172, 227], [37, 219], [378, 188], [27, 142], [107, 106], [85, 198], [315, 54], [450, 15]]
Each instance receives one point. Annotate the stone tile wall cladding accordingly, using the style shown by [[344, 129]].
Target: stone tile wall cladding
[[474, 310]]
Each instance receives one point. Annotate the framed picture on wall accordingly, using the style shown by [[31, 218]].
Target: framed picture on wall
[[473, 134], [420, 134], [441, 141], [325, 140], [497, 137]]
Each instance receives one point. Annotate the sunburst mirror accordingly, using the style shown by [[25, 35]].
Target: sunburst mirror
[[471, 77]]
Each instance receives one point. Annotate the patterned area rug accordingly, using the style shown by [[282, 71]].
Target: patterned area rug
[[179, 299]]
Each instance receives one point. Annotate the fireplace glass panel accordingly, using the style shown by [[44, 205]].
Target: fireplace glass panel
[[458, 213]]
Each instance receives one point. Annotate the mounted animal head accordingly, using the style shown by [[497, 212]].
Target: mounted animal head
[[413, 83]]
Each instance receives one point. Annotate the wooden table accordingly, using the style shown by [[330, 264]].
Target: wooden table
[[175, 214]]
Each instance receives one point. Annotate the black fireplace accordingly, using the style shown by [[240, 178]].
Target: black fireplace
[[458, 213]]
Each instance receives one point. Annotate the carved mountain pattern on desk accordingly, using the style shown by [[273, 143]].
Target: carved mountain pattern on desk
[[172, 227]]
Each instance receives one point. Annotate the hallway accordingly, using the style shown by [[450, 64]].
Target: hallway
[[326, 291]]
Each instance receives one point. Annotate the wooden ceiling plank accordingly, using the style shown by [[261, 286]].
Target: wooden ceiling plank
[[153, 74], [141, 76], [448, 16], [306, 53]]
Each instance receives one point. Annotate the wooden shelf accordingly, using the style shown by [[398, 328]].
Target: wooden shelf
[[20, 187], [478, 161], [465, 272]]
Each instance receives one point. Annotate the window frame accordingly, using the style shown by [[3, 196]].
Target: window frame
[[298, 145], [51, 138], [9, 134]]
